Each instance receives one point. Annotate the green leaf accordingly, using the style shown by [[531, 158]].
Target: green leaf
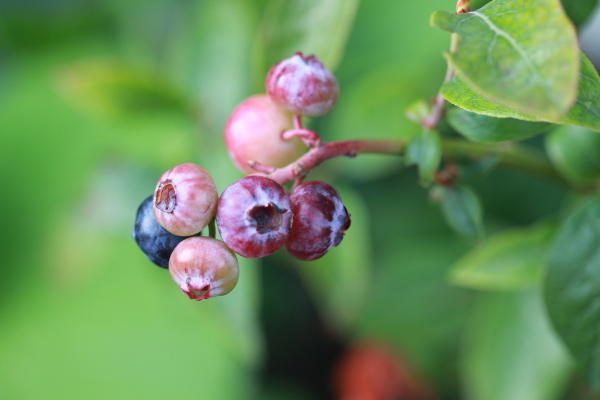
[[575, 152], [508, 260], [477, 4], [585, 112], [426, 152], [462, 210], [481, 128], [110, 88], [579, 10], [510, 351], [341, 278], [522, 54], [573, 284], [319, 27]]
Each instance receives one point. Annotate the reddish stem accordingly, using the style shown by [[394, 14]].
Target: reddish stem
[[298, 122], [350, 148], [310, 138], [437, 110], [260, 167]]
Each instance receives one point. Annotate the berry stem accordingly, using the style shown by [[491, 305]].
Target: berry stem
[[212, 231], [298, 122], [260, 167], [310, 138], [439, 103], [349, 148], [510, 155]]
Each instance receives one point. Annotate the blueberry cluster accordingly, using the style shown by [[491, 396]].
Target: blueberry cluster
[[167, 229], [255, 215]]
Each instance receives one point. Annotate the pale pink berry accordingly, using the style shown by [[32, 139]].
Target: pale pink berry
[[253, 133], [185, 199], [254, 216], [303, 86], [203, 267]]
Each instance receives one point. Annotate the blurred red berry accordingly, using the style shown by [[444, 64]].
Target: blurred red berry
[[372, 372]]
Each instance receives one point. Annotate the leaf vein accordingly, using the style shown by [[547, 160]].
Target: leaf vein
[[499, 32]]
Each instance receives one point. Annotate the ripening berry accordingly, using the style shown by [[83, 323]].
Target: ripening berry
[[154, 240], [254, 216], [303, 85], [204, 267], [253, 133], [185, 199], [319, 220]]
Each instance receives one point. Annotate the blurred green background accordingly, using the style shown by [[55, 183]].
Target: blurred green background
[[97, 98]]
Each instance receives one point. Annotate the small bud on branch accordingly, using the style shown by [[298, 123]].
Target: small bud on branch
[[462, 6]]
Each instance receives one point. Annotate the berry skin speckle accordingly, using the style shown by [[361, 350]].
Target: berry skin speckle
[[303, 85], [185, 199], [319, 220], [204, 267], [253, 216], [154, 240]]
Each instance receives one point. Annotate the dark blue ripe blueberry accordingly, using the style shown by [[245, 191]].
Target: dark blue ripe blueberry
[[154, 240]]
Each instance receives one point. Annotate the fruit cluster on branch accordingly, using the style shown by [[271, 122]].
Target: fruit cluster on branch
[[255, 215]]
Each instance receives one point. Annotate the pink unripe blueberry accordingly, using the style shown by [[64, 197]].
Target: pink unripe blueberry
[[185, 199], [303, 85], [253, 216], [253, 133], [319, 220], [203, 267]]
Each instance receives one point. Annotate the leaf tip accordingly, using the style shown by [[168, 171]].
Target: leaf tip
[[442, 20]]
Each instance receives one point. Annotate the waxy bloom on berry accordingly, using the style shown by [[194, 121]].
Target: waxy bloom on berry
[[185, 199], [320, 220], [303, 85], [254, 216], [204, 267]]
